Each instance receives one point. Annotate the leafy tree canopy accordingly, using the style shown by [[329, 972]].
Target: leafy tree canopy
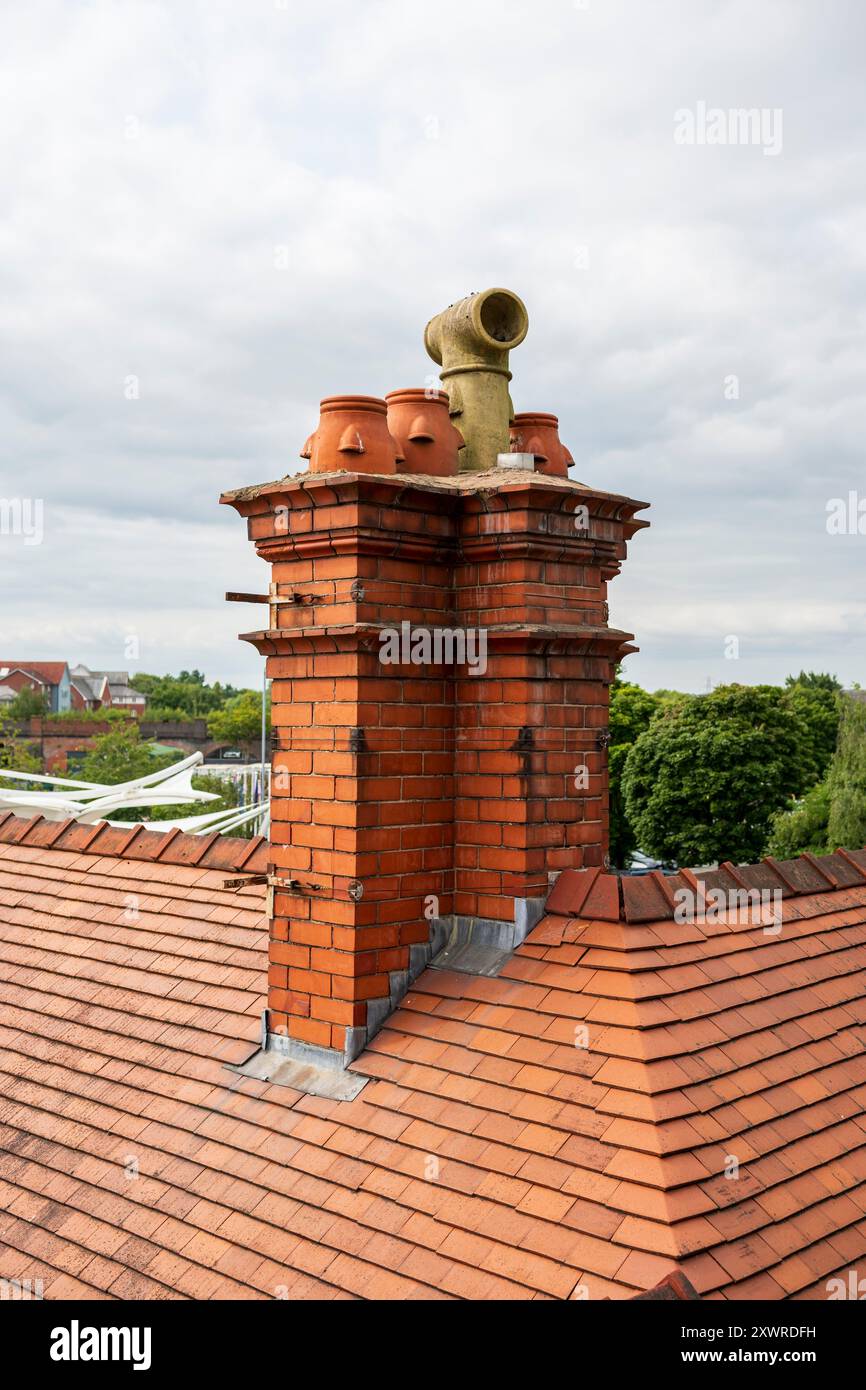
[[29, 703], [815, 708], [122, 755], [665, 698], [815, 680], [846, 827], [17, 756], [240, 719], [704, 781], [804, 829], [631, 712], [187, 696]]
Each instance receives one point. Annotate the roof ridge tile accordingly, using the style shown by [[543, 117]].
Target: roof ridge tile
[[855, 864], [588, 894], [778, 870], [603, 903], [570, 891], [133, 844], [644, 900], [27, 823], [811, 859]]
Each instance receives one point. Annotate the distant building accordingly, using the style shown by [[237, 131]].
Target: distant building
[[65, 689], [105, 690], [50, 677]]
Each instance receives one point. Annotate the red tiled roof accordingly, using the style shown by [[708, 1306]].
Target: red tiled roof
[[158, 846], [50, 671], [488, 1157]]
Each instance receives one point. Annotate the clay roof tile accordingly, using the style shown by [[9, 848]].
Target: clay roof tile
[[602, 901], [570, 891], [804, 876], [841, 870], [44, 832], [583, 1105], [645, 900]]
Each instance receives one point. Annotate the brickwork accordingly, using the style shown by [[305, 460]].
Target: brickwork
[[407, 793]]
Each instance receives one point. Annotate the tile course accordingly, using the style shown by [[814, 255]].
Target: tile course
[[488, 1157]]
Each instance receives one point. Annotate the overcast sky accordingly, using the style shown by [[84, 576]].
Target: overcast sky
[[247, 205]]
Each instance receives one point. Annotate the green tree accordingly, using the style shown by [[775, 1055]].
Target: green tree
[[704, 781], [665, 699], [814, 703], [804, 829], [15, 755], [815, 680], [847, 781], [166, 714], [29, 703], [631, 712], [121, 756], [187, 696], [240, 720]]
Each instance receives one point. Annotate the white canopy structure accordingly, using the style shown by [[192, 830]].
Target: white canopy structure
[[65, 798]]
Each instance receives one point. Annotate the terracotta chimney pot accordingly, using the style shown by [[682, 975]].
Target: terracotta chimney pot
[[420, 422], [353, 437], [538, 434]]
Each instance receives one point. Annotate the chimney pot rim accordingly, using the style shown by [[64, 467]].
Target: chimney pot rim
[[417, 393], [524, 417], [372, 403]]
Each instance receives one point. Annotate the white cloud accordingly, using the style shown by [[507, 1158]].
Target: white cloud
[[156, 156]]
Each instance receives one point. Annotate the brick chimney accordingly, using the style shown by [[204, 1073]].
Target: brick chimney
[[441, 661]]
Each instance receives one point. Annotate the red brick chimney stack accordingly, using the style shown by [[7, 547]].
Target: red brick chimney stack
[[441, 662]]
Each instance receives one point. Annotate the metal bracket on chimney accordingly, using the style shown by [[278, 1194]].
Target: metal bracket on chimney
[[275, 601], [293, 886], [603, 739], [272, 882], [247, 598], [251, 881]]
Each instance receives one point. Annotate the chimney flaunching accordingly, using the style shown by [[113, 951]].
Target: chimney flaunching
[[439, 697]]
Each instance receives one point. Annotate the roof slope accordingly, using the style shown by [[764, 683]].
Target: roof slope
[[489, 1157], [50, 671]]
